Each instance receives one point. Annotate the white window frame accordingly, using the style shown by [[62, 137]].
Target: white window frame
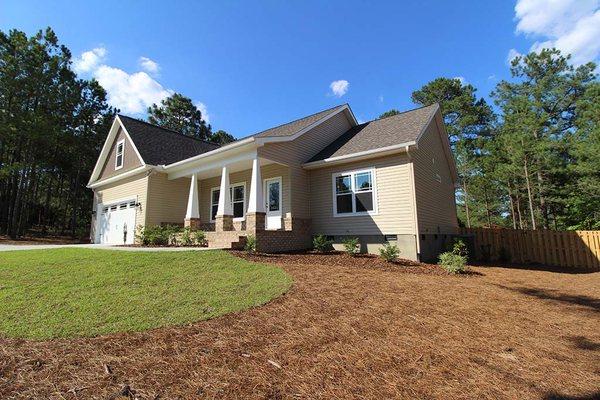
[[117, 166], [352, 174], [231, 186]]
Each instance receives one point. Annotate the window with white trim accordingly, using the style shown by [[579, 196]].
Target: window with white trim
[[237, 195], [354, 193], [119, 154]]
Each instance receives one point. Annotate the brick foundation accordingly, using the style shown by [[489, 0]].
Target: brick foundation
[[295, 236], [255, 222], [223, 223], [193, 223]]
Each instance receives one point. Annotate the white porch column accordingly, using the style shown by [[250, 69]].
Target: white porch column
[[224, 207], [193, 210], [256, 202]]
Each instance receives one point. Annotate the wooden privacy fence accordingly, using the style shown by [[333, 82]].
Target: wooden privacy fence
[[580, 249]]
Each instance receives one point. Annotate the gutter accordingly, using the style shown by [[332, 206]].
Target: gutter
[[127, 174], [362, 155]]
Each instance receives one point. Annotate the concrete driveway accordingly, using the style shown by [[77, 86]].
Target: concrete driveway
[[13, 247]]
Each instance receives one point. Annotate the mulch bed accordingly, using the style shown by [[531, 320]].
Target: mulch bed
[[345, 332], [29, 240], [341, 259]]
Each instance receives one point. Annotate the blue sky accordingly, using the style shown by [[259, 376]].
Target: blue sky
[[251, 66]]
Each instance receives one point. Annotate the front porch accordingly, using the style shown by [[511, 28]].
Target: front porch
[[242, 196]]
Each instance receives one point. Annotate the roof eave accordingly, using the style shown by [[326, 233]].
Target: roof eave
[[362, 155], [127, 174]]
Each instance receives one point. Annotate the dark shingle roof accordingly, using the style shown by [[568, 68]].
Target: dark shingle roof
[[161, 146], [290, 128], [400, 128]]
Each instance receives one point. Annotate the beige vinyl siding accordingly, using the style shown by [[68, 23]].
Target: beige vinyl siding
[[267, 171], [130, 157], [436, 209], [394, 199], [135, 187], [167, 199], [298, 151]]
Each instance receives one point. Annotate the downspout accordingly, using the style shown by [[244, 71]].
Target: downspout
[[414, 200]]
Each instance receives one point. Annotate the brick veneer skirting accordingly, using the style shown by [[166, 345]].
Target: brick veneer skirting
[[298, 238]]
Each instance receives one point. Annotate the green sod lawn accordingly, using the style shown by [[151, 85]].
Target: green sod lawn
[[85, 292]]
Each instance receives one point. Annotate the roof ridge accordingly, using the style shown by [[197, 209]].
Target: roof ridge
[[295, 120], [399, 113], [168, 130]]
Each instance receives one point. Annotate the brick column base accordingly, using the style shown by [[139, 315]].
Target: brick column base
[[192, 223], [255, 221], [223, 223]]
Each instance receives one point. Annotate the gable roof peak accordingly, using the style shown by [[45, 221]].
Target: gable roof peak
[[164, 128]]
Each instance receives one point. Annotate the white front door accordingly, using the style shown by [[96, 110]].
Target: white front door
[[273, 203]]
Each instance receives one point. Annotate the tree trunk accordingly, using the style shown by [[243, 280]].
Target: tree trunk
[[512, 208], [529, 196], [466, 195]]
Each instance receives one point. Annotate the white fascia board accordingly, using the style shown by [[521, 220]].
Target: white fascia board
[[228, 147], [132, 143], [112, 133], [362, 155], [114, 128], [124, 175], [213, 163], [447, 148], [275, 139]]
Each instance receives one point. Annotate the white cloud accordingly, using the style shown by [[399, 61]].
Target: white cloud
[[132, 93], [461, 79], [573, 26], [89, 60], [149, 65], [202, 107], [492, 77], [339, 88]]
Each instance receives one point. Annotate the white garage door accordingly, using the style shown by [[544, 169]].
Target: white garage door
[[116, 223]]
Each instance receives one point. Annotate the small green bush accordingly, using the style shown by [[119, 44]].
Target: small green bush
[[459, 247], [351, 246], [200, 238], [389, 252], [154, 235], [321, 243], [250, 245], [453, 263], [186, 237]]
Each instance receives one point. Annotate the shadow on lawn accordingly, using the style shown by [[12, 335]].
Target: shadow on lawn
[[546, 294]]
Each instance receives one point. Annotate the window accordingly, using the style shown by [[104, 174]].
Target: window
[[237, 193], [119, 155], [354, 193]]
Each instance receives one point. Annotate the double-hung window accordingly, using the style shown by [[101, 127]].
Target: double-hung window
[[237, 195], [119, 154], [354, 193]]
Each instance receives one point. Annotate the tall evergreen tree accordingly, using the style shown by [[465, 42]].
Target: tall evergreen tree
[[546, 89], [179, 113], [52, 126]]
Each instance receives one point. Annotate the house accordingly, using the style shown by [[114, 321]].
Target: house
[[387, 180]]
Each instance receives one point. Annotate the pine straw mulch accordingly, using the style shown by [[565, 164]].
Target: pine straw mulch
[[344, 331], [339, 259]]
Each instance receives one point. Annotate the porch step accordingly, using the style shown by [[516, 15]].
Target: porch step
[[226, 240]]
